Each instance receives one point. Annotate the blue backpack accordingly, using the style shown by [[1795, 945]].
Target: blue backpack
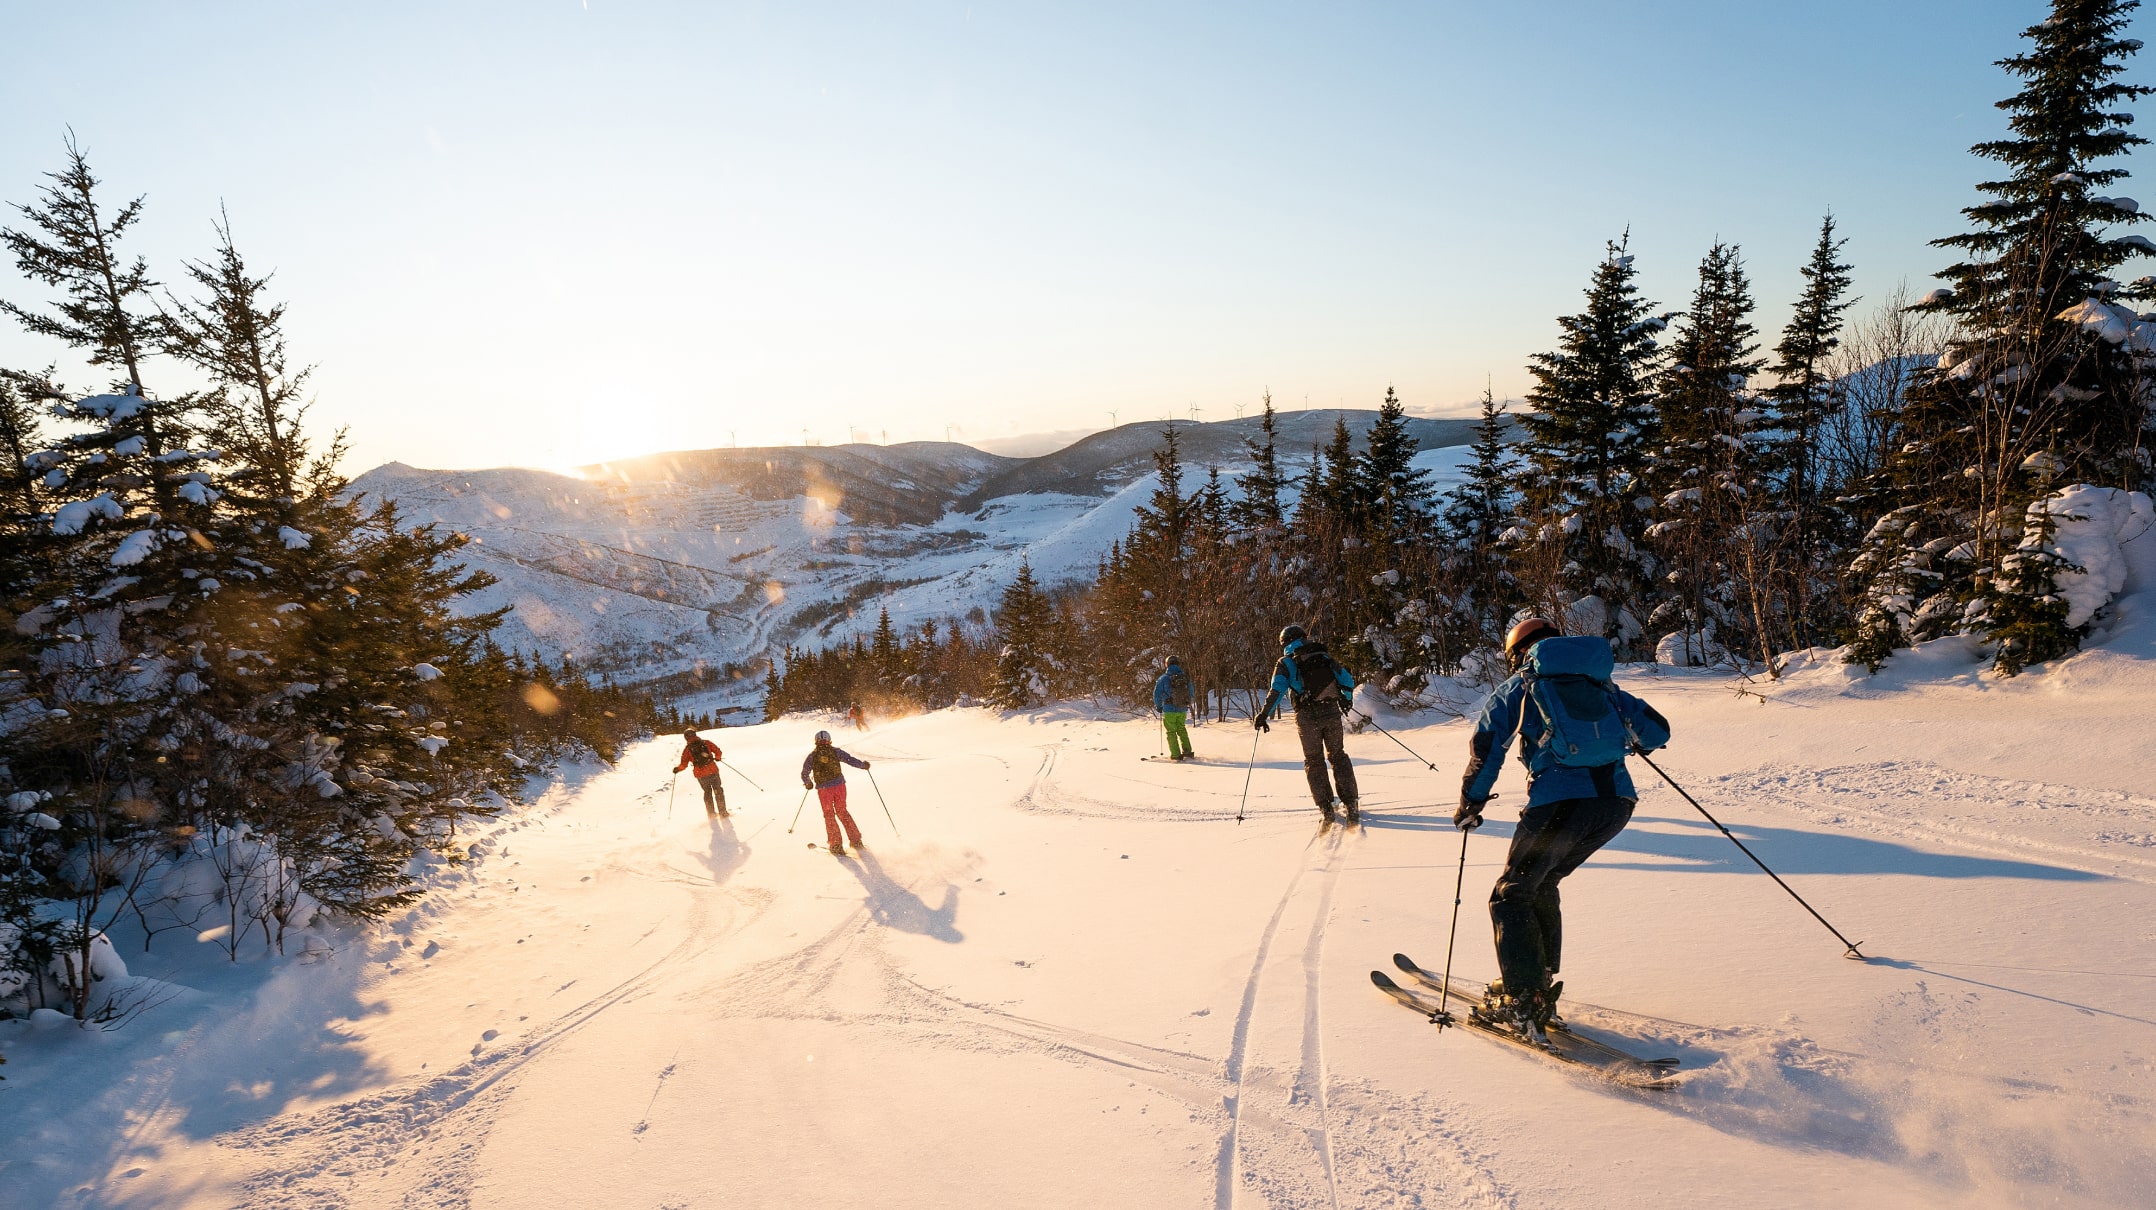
[[1568, 679]]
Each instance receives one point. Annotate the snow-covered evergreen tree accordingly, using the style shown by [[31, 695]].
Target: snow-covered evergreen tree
[[1713, 517], [1478, 514], [1805, 398], [1586, 442], [1025, 635], [1258, 506], [1397, 492], [2043, 383]]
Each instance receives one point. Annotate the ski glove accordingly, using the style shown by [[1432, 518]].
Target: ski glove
[[1261, 724], [1469, 816]]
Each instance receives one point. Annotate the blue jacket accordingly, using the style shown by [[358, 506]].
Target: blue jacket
[[1287, 678], [1160, 689], [1506, 714]]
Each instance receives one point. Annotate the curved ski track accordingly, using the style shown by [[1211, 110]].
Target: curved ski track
[[1288, 1135]]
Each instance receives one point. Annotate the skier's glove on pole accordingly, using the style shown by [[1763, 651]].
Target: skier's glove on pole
[[1469, 816], [1261, 724]]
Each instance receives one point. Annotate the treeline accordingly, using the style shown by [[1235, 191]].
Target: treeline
[[1674, 486], [211, 655], [930, 666]]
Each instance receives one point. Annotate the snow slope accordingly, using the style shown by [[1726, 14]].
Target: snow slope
[[1075, 980]]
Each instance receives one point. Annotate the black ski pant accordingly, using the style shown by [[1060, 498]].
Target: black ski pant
[[1551, 842], [714, 794], [1321, 735]]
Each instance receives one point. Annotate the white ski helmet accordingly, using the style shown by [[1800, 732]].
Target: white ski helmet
[[823, 737]]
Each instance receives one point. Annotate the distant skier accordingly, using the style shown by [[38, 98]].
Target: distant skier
[[822, 772], [1574, 727], [702, 757], [1320, 690], [1171, 698], [857, 717]]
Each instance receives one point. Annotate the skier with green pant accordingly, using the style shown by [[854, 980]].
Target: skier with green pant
[[1171, 698]]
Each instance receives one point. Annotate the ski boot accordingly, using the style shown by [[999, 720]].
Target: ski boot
[[1351, 810], [1521, 1014], [1326, 816]]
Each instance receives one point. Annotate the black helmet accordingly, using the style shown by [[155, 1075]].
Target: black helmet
[[1293, 634], [1174, 663]]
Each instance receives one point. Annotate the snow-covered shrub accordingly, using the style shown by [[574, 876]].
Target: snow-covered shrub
[[2090, 527]]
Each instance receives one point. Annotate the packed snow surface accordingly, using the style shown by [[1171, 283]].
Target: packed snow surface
[[1071, 978]]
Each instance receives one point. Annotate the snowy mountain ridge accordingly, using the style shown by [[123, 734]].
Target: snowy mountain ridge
[[696, 565]]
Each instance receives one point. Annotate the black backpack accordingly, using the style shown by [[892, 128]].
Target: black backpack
[[1320, 676], [1178, 689], [824, 766]]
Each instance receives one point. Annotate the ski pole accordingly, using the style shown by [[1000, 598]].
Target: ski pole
[[1252, 768], [797, 810], [743, 776], [879, 798], [671, 783], [1444, 994], [1850, 952], [1394, 738]]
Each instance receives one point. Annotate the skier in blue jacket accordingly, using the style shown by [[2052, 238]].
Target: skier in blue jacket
[[1321, 690], [1574, 728], [1171, 699]]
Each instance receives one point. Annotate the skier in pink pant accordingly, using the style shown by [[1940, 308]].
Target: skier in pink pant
[[824, 772]]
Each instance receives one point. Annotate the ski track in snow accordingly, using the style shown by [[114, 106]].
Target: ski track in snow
[[425, 1134], [1275, 1126], [2102, 831]]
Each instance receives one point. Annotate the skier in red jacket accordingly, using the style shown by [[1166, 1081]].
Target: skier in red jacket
[[702, 757]]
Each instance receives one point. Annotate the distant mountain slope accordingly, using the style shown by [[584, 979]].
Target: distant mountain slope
[[910, 483], [1105, 461], [701, 563]]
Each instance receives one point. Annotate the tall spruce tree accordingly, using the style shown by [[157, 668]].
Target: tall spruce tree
[[2041, 386], [1258, 508], [1477, 515], [1026, 643], [1805, 398], [1709, 522], [1398, 492], [1588, 434], [234, 334]]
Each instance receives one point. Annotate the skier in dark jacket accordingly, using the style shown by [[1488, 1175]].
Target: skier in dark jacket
[[1579, 797], [702, 757], [822, 771], [1171, 697], [1320, 690]]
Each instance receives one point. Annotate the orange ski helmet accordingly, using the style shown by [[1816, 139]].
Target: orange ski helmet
[[1526, 634]]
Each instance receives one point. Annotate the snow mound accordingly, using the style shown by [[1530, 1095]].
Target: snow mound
[[2094, 526]]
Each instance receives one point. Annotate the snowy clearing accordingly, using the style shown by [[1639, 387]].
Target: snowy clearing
[[1076, 981]]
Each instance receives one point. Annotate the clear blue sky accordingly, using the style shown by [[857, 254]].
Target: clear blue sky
[[545, 233]]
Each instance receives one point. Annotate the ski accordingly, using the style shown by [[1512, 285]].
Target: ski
[[1169, 760], [1564, 1046], [1468, 993]]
